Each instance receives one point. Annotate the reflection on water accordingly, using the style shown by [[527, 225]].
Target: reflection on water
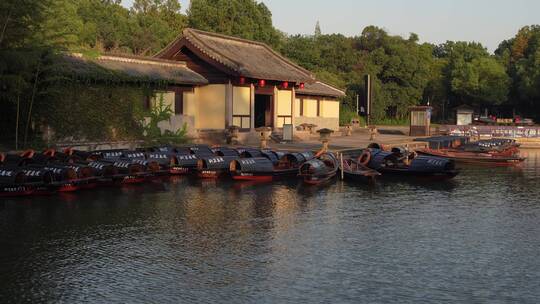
[[472, 239]]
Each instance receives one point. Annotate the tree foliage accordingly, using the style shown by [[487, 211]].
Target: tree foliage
[[521, 57], [472, 75], [404, 71], [242, 18]]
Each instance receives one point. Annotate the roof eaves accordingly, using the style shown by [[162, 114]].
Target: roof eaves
[[192, 33], [204, 47], [332, 88]]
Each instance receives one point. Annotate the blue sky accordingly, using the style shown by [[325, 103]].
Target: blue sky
[[485, 21]]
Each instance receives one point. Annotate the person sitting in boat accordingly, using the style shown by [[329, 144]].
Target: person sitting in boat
[[401, 155], [410, 156]]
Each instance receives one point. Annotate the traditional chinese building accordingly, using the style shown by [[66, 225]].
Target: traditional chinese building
[[249, 85], [215, 81]]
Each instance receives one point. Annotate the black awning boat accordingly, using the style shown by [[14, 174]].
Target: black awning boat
[[320, 169], [13, 182], [249, 152], [402, 162], [214, 167], [254, 168]]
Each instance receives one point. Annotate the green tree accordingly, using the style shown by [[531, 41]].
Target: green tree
[[154, 24], [106, 25], [241, 18], [400, 69], [521, 57], [18, 21], [61, 26], [472, 75]]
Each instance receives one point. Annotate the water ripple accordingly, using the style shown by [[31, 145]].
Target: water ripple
[[474, 239]]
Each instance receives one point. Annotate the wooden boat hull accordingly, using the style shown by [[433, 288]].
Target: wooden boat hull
[[132, 179], [179, 171], [366, 179], [212, 174], [252, 177], [353, 170], [466, 157], [389, 163], [15, 190], [266, 176], [318, 180], [319, 170]]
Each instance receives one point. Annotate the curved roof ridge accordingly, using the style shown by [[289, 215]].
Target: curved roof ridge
[[262, 44], [141, 59]]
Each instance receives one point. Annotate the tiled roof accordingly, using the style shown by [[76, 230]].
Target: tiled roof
[[320, 89], [244, 57], [135, 68]]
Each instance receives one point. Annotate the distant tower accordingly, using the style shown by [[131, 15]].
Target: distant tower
[[318, 29]]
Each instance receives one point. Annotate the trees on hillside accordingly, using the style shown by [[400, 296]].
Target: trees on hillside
[[247, 19], [468, 74], [521, 57], [404, 71], [401, 70]]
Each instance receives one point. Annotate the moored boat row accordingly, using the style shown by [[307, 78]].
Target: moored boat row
[[32, 173]]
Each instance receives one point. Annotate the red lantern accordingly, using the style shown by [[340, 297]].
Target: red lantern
[[285, 84], [262, 83], [242, 80], [302, 85]]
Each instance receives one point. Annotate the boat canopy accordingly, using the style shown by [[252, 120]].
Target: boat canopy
[[249, 152], [314, 167], [103, 168], [252, 165], [298, 158], [201, 150], [443, 142], [271, 155], [60, 172], [187, 160], [38, 175], [225, 151], [215, 163], [11, 176], [134, 155], [427, 164], [162, 158], [377, 158]]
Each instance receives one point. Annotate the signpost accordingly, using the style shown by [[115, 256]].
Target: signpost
[[367, 85]]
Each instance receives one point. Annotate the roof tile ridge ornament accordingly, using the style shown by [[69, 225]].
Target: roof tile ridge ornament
[[197, 42], [264, 45]]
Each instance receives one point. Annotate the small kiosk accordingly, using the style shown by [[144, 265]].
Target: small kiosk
[[464, 115], [420, 121]]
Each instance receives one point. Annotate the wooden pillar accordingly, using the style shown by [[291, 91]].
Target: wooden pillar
[[228, 104], [252, 107], [275, 100], [196, 105], [293, 107]]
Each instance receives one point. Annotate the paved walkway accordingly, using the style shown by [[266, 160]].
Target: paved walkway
[[357, 140]]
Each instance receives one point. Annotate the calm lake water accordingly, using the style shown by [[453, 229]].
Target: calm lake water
[[474, 239]]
